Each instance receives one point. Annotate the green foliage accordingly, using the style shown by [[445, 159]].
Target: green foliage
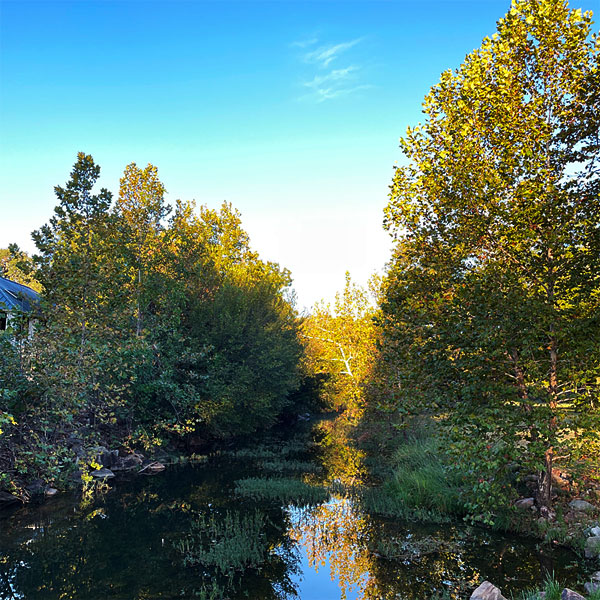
[[157, 326], [339, 345], [489, 315], [18, 266], [284, 490]]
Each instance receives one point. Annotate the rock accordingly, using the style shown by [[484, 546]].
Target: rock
[[524, 503], [568, 594], [595, 576], [591, 587], [592, 546], [50, 491], [107, 458], [542, 595], [595, 530], [102, 473], [6, 498], [581, 505], [152, 468], [128, 462], [36, 487], [75, 476], [487, 591]]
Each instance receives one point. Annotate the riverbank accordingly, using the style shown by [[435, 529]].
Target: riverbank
[[420, 477], [297, 513]]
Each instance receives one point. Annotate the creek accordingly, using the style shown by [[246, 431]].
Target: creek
[[260, 524]]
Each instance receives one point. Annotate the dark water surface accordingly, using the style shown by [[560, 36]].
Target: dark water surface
[[186, 533]]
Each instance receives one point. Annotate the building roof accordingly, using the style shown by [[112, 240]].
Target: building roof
[[15, 296]]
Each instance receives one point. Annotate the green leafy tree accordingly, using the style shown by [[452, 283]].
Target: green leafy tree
[[16, 265], [142, 208], [340, 344], [493, 285]]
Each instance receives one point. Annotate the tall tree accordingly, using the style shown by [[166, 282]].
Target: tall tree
[[496, 216], [70, 259], [340, 344], [141, 205]]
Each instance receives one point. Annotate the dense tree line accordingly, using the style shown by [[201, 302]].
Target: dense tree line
[[156, 324], [491, 317]]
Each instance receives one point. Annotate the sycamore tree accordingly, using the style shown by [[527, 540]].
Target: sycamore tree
[[340, 342], [141, 208], [492, 298]]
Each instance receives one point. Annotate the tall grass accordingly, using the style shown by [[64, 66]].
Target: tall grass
[[552, 590], [424, 480]]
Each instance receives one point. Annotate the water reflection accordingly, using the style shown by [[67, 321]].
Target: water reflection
[[336, 535], [186, 534]]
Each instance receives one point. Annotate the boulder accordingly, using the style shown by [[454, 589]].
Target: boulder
[[75, 476], [36, 487], [581, 505], [595, 576], [524, 503], [568, 594], [105, 457], [592, 546], [50, 491], [595, 530], [152, 468], [102, 473], [487, 591], [128, 462], [591, 587]]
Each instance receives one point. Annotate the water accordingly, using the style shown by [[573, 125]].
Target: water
[[186, 533]]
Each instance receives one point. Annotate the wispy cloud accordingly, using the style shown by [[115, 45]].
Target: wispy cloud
[[328, 83], [304, 43], [324, 55]]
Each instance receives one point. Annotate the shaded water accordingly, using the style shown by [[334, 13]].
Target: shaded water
[[192, 532]]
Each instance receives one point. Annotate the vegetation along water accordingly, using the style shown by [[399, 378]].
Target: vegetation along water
[[158, 383]]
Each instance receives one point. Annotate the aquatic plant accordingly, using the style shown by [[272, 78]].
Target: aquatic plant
[[282, 489], [226, 542], [289, 465], [382, 501]]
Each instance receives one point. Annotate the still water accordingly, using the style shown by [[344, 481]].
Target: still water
[[255, 524]]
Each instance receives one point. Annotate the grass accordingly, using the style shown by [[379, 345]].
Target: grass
[[226, 542], [283, 489], [553, 590], [422, 478]]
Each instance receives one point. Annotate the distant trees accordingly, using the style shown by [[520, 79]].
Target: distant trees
[[340, 344], [491, 309]]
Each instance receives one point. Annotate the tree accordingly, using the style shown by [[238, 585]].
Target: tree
[[141, 206], [16, 265], [493, 283], [340, 342]]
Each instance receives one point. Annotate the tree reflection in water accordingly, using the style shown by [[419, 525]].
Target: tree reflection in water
[[132, 543]]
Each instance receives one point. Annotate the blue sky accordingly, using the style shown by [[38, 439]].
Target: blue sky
[[290, 110]]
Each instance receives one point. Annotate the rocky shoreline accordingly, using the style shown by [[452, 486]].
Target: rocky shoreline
[[488, 591], [109, 464]]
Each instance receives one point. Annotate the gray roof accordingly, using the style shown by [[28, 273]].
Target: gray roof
[[15, 296]]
